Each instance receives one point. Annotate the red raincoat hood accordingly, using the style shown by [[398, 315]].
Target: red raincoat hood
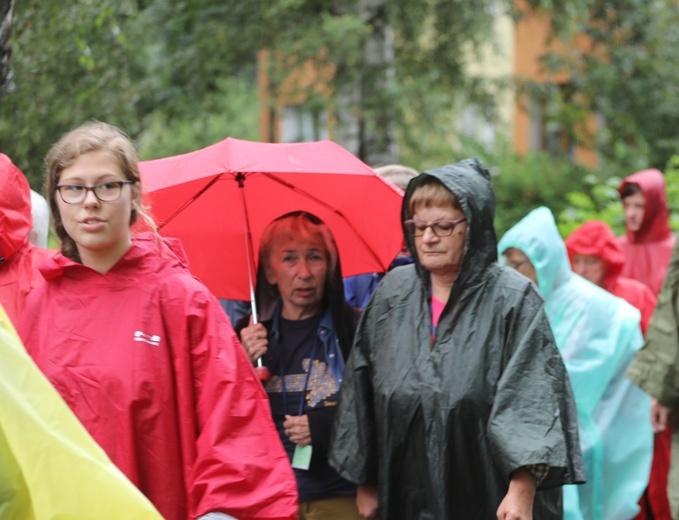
[[15, 208], [655, 226], [147, 249], [596, 238]]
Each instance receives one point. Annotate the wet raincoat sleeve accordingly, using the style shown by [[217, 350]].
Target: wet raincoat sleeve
[[533, 417], [354, 432], [49, 466], [655, 367], [240, 467]]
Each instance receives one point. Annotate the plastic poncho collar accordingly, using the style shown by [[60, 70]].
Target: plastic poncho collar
[[470, 182], [15, 208], [170, 249], [655, 225], [596, 238]]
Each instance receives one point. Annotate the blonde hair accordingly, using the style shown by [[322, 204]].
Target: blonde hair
[[432, 193], [92, 137]]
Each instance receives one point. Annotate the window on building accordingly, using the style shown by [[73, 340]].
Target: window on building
[[546, 132], [298, 125]]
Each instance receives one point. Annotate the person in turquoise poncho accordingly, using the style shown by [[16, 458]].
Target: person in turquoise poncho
[[597, 335]]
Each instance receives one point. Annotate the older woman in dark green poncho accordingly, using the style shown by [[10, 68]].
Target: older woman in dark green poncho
[[455, 401]]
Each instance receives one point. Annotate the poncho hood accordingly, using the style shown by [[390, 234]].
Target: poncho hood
[[655, 225], [538, 237], [15, 208], [596, 238], [470, 182]]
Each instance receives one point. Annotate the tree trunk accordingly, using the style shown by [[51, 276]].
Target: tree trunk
[[366, 118], [6, 11]]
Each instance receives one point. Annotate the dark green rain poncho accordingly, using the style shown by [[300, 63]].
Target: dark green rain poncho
[[440, 428]]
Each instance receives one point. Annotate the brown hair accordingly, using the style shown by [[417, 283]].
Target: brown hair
[[432, 193], [629, 189], [92, 137]]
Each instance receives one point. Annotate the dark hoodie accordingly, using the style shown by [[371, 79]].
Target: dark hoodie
[[647, 251], [440, 428], [18, 257]]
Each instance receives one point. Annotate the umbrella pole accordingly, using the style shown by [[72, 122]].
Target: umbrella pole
[[262, 371]]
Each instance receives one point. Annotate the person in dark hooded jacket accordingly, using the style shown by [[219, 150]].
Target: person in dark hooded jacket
[[455, 401]]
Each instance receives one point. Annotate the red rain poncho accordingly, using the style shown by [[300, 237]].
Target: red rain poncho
[[18, 257], [150, 364], [647, 251], [596, 238]]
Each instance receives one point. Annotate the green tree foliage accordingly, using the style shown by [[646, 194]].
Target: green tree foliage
[[70, 64], [628, 76], [170, 72], [598, 199]]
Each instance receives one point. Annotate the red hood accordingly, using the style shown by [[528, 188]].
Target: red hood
[[148, 253], [655, 226], [596, 238], [15, 208]]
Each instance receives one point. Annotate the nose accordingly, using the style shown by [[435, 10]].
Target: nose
[[428, 235], [90, 199], [303, 271], [579, 268]]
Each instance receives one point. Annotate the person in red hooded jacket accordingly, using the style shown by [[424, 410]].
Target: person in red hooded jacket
[[595, 255], [647, 248], [648, 241], [143, 353], [19, 259]]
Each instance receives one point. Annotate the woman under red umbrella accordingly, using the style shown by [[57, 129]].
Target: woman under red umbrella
[[304, 340]]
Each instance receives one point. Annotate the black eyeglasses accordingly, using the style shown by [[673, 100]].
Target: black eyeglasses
[[440, 228], [104, 191]]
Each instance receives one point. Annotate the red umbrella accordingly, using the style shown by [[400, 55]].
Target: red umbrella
[[214, 199]]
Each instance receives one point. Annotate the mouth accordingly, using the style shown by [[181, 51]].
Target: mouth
[[304, 292], [92, 224]]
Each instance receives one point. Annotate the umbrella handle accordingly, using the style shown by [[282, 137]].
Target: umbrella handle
[[262, 372]]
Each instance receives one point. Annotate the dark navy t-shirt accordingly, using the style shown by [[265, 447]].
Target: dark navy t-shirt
[[297, 339]]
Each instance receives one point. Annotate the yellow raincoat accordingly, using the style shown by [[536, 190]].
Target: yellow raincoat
[[49, 465]]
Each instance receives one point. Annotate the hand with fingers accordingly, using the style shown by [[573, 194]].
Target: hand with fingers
[[254, 340], [297, 429]]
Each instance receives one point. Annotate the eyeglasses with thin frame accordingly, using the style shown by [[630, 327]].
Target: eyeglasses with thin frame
[[104, 191], [440, 228]]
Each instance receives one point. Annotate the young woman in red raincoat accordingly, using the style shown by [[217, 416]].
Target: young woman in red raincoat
[[647, 247], [143, 353]]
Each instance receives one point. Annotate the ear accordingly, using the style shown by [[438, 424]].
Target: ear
[[135, 192]]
